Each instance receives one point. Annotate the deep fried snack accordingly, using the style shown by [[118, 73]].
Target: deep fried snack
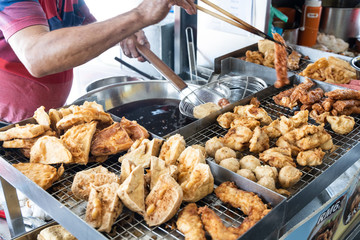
[[110, 140], [319, 118], [341, 124], [273, 129], [133, 129], [285, 125], [346, 107], [237, 137], [266, 171], [301, 90], [246, 173], [318, 108], [189, 223], [224, 153], [230, 163], [217, 230], [249, 202], [26, 131], [259, 141], [205, 109], [311, 157], [172, 148], [42, 174], [343, 94], [312, 96], [280, 62], [55, 232], [267, 182], [269, 58], [249, 162], [283, 98], [254, 101], [223, 102], [226, 119], [254, 57], [50, 150], [293, 60], [277, 157], [212, 145], [288, 176], [252, 111], [187, 161], [316, 70], [26, 142], [249, 122], [300, 118], [42, 118], [327, 104], [158, 168]]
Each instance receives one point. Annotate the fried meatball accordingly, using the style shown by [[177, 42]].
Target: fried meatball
[[212, 145], [267, 182], [288, 176], [223, 153], [266, 171], [249, 162], [230, 163], [247, 174]]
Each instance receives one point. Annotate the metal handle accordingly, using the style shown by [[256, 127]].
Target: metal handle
[[164, 70], [133, 68], [191, 53]]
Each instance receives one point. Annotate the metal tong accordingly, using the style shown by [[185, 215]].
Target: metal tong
[[237, 22]]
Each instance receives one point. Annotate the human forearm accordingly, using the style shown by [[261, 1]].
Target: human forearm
[[48, 52]]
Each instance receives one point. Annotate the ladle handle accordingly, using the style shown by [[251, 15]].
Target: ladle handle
[[167, 72]]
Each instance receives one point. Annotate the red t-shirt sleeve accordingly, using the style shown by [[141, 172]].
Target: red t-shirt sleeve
[[17, 15]]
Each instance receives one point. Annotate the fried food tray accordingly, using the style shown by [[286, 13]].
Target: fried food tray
[[312, 54], [64, 208], [314, 179]]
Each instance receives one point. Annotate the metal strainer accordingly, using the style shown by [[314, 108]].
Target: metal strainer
[[233, 88]]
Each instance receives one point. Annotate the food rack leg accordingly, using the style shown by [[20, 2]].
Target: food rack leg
[[12, 209]]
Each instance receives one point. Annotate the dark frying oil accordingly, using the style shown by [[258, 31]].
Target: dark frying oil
[[158, 116]]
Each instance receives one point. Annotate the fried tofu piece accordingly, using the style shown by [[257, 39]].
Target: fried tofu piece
[[158, 167], [103, 207], [26, 131], [25, 142], [199, 184], [163, 201], [84, 115], [142, 150], [50, 150], [132, 191], [172, 148], [110, 140], [95, 176], [127, 166], [42, 174], [78, 140], [55, 117], [42, 118], [189, 223], [187, 161]]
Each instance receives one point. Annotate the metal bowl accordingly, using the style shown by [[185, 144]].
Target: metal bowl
[[355, 63], [110, 81]]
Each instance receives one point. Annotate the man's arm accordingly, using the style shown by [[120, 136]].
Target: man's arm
[[45, 52]]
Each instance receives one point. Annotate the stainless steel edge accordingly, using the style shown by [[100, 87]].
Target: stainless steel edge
[[74, 224]]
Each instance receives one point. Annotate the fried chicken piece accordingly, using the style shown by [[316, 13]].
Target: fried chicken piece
[[217, 230], [172, 148], [300, 118], [133, 129], [226, 119], [26, 131], [311, 157], [253, 112], [318, 108], [341, 124], [259, 141], [346, 107], [273, 129], [289, 176], [249, 122], [280, 62], [277, 157], [254, 101], [110, 140], [189, 223], [314, 140], [78, 140], [283, 98], [212, 145], [84, 115], [327, 104], [237, 137], [285, 125], [282, 142], [249, 202], [343, 94], [199, 184], [312, 96], [254, 57], [293, 60], [319, 118], [300, 90]]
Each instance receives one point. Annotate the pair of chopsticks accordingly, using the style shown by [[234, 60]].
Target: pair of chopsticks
[[236, 21]]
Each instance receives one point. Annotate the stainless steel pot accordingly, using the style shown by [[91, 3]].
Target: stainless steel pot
[[343, 23], [110, 81]]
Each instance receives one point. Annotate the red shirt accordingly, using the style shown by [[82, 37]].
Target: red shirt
[[20, 93]]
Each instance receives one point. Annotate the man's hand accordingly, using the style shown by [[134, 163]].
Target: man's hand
[[128, 45], [153, 11]]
